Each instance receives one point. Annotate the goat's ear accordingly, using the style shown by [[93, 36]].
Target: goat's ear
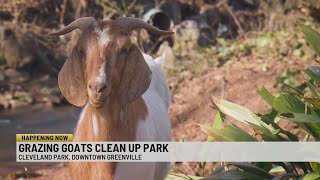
[[136, 77], [71, 80]]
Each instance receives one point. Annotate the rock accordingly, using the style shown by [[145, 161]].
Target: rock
[[298, 53], [16, 77], [14, 103], [193, 33], [206, 36], [283, 51], [166, 57], [13, 48], [4, 102], [23, 96], [187, 34], [15, 55], [12, 73]]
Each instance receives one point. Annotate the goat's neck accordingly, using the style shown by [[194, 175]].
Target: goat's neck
[[111, 122]]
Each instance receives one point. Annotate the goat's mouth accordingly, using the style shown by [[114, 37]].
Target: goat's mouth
[[97, 102]]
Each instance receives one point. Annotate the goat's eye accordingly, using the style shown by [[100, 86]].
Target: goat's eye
[[82, 53], [123, 52]]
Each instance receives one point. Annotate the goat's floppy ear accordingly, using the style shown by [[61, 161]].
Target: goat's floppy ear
[[136, 77], [71, 80]]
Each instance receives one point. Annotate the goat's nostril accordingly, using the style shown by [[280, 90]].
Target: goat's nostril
[[96, 87], [92, 87], [102, 88]]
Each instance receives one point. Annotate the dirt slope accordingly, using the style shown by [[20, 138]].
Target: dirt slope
[[237, 82]]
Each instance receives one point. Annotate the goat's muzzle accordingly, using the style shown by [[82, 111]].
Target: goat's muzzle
[[98, 93]]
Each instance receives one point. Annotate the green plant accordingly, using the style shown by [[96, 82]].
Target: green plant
[[288, 78], [299, 105], [119, 8], [292, 104]]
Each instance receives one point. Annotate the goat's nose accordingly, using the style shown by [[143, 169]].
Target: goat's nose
[[97, 87]]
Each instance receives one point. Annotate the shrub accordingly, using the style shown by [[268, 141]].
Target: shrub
[[299, 106]]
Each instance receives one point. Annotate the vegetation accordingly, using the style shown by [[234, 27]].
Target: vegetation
[[279, 45], [299, 105], [113, 8]]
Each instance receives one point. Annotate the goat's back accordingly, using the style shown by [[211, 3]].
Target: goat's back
[[158, 82]]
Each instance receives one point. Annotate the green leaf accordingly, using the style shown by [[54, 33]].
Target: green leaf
[[267, 135], [312, 100], [314, 73], [272, 118], [315, 166], [308, 122], [313, 89], [312, 176], [277, 169], [292, 103], [227, 133], [234, 174], [236, 111], [284, 103], [267, 96], [217, 123], [248, 167], [312, 36], [286, 166], [267, 166], [240, 113], [312, 128], [273, 101], [298, 117], [218, 120]]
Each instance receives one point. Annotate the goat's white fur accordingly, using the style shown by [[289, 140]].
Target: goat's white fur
[[102, 73], [95, 124], [82, 115], [102, 38], [156, 127]]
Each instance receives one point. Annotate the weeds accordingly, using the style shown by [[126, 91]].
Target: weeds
[[117, 8], [291, 105]]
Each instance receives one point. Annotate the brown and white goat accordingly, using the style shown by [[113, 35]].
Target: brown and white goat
[[123, 92]]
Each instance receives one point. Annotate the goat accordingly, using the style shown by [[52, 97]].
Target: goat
[[123, 92]]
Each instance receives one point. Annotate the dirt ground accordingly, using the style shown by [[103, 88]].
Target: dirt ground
[[237, 82]]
